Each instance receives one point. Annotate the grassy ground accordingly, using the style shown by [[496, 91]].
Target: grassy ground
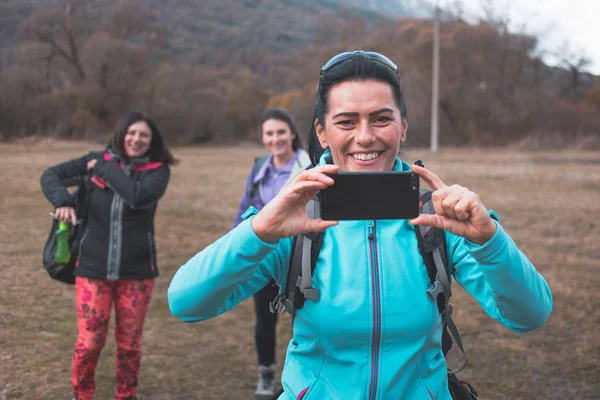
[[549, 203]]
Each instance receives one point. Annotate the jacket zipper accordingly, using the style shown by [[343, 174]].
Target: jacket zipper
[[152, 267], [115, 238], [376, 310], [85, 233]]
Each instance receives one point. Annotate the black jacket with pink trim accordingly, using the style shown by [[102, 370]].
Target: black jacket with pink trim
[[118, 240]]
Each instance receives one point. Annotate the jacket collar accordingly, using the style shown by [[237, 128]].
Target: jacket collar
[[136, 161], [301, 161]]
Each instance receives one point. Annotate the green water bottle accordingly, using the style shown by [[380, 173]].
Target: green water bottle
[[63, 254]]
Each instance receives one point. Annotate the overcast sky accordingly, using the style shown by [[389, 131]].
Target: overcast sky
[[576, 22]]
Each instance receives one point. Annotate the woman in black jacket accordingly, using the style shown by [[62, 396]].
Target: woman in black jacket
[[117, 254]]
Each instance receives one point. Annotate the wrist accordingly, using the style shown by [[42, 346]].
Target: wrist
[[262, 231], [486, 235]]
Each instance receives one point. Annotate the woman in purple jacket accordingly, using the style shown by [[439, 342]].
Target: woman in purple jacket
[[268, 175]]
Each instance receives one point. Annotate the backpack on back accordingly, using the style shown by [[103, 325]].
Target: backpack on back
[[258, 163], [432, 246]]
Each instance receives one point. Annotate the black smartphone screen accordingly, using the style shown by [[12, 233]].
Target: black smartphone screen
[[371, 195]]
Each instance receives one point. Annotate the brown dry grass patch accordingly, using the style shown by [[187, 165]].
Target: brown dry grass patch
[[549, 202]]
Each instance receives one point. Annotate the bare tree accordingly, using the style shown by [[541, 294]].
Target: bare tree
[[575, 62], [131, 22], [62, 32]]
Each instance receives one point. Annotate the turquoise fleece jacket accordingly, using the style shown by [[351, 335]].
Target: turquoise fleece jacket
[[374, 332]]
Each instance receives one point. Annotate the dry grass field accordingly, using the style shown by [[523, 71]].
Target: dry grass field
[[549, 202]]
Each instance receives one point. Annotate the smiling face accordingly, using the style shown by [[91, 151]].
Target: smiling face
[[363, 127], [137, 139], [277, 138]]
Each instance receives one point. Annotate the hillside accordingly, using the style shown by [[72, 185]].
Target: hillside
[[399, 8], [205, 26], [206, 70]]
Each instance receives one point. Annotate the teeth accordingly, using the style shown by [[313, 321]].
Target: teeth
[[365, 157]]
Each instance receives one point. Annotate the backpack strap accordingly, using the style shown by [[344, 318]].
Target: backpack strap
[[313, 211], [305, 250], [432, 245], [285, 302], [258, 163]]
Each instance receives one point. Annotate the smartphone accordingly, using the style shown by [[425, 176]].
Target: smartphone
[[371, 195]]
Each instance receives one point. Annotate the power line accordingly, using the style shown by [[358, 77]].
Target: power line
[[435, 81]]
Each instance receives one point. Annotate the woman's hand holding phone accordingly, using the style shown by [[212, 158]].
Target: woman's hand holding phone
[[457, 210], [285, 215]]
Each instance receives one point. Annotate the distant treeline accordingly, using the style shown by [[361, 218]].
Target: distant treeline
[[69, 70]]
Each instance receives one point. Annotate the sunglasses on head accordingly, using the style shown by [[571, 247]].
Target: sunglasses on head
[[371, 55]]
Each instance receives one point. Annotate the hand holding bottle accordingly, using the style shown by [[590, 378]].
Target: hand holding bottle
[[63, 253], [65, 214]]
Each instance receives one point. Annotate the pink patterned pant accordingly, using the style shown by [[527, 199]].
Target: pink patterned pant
[[94, 298]]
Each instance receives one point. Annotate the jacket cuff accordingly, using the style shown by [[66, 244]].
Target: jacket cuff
[[248, 215], [65, 203], [250, 245], [496, 243], [250, 212], [100, 167]]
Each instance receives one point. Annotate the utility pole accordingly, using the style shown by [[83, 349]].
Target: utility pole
[[435, 82]]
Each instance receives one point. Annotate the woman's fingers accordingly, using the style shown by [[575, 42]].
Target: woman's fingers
[[435, 220], [457, 210], [73, 216], [318, 225], [66, 214], [454, 195], [312, 180], [327, 168], [285, 215], [432, 179], [60, 214], [464, 205], [306, 186], [437, 199], [318, 174]]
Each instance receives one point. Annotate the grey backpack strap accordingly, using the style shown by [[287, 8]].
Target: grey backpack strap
[[285, 302], [444, 281], [254, 186], [301, 264], [305, 281], [456, 336], [440, 278]]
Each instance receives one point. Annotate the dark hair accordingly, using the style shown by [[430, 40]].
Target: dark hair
[[357, 68], [158, 150], [281, 114]]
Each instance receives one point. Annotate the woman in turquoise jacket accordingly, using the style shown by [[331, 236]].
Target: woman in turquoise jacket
[[373, 332]]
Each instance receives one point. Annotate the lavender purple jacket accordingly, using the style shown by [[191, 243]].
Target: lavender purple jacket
[[257, 176]]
